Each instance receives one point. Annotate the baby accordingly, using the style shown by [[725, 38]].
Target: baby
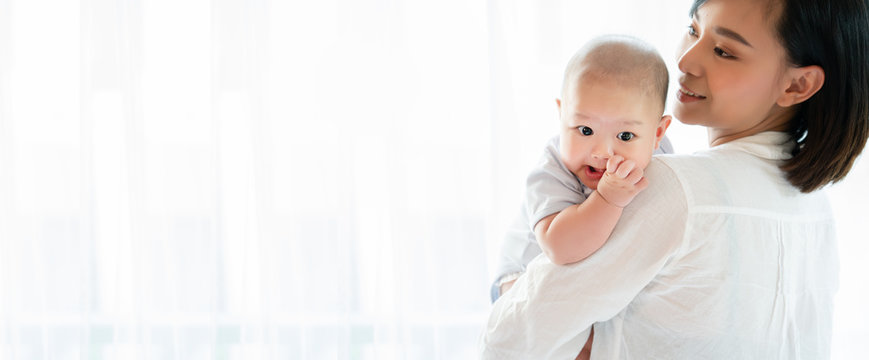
[[612, 100]]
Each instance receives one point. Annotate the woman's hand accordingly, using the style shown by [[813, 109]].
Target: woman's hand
[[506, 286], [585, 353]]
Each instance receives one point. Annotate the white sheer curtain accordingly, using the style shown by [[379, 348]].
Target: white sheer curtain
[[263, 179]]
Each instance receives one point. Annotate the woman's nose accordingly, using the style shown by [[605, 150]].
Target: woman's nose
[[688, 61]]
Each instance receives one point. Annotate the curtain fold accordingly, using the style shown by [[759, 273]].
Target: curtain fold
[[224, 179]]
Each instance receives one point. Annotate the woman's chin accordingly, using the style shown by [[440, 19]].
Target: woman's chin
[[687, 118]]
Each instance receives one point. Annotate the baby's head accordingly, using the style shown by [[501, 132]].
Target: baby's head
[[612, 102]]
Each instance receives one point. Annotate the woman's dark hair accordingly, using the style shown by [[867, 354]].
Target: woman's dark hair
[[832, 126]]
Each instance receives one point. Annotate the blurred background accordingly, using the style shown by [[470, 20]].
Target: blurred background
[[267, 179]]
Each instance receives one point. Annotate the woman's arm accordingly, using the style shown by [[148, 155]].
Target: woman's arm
[[549, 311]]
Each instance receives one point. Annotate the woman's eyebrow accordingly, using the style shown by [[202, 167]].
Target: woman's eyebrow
[[723, 31], [731, 34]]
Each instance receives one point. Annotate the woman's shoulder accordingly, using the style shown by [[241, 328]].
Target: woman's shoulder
[[703, 178], [689, 162], [727, 178], [666, 182], [703, 166], [673, 168], [702, 173]]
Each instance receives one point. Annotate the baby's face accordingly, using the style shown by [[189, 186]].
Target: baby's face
[[600, 119]]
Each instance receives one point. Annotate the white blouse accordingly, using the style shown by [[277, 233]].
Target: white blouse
[[719, 258]]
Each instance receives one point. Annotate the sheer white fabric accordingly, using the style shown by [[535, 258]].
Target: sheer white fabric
[[243, 180], [747, 270], [282, 179]]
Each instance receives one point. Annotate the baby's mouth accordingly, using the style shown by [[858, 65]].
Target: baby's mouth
[[594, 173]]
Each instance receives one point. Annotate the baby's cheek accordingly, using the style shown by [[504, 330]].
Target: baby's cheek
[[643, 162], [572, 163], [644, 157], [564, 148]]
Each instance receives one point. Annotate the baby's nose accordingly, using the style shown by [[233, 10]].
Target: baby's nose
[[602, 151]]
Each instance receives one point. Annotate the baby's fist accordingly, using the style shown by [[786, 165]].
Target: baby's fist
[[622, 181]]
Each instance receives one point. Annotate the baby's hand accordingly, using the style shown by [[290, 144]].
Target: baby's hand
[[622, 181]]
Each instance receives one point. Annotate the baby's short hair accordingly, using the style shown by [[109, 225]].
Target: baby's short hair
[[627, 60]]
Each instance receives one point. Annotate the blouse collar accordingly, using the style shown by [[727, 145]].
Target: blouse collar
[[771, 145]]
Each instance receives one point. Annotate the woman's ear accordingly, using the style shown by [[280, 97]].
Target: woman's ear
[[804, 82]]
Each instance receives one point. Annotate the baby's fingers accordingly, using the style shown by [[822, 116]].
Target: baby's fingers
[[613, 163], [642, 184], [635, 176], [626, 168]]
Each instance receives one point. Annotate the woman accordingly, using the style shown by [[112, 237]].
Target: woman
[[730, 253]]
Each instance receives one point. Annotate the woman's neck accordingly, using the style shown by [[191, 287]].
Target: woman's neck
[[776, 121]]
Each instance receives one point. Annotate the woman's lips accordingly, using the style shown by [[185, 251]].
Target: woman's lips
[[684, 95]]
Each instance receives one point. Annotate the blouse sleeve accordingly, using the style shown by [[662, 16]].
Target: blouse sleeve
[[548, 312]]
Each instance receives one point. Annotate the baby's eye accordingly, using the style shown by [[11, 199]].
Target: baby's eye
[[625, 136], [585, 130]]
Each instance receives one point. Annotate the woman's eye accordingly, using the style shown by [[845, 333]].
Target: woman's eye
[[585, 130], [626, 136], [720, 52], [691, 31]]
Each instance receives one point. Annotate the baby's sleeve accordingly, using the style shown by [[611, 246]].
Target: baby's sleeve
[[551, 187]]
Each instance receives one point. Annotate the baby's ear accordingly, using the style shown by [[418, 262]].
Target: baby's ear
[[558, 109], [662, 129]]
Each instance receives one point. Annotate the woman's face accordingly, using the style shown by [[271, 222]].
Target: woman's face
[[732, 70]]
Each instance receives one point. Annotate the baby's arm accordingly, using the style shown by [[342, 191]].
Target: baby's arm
[[579, 230]]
